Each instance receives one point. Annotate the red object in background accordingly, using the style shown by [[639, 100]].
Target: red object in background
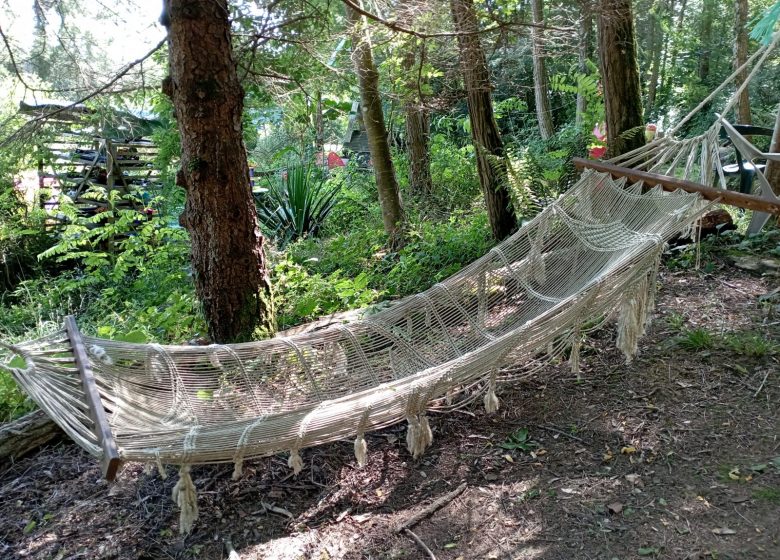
[[334, 160], [597, 152]]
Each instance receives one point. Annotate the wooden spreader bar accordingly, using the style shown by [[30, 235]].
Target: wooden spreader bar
[[740, 200], [110, 462]]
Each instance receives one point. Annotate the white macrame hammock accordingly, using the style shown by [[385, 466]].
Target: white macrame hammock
[[590, 255]]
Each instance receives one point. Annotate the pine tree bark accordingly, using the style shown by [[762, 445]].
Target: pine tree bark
[[231, 276], [541, 90], [620, 77], [488, 146], [740, 57], [584, 53], [374, 121]]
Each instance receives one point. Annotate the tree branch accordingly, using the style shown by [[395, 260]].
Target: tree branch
[[402, 29]]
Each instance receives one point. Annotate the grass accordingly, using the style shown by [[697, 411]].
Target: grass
[[767, 493], [752, 344], [696, 339]]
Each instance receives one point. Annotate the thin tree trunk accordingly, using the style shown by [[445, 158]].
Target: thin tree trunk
[[705, 39], [657, 44], [374, 121], [231, 277], [584, 53], [489, 148], [678, 31], [418, 118], [620, 77], [773, 167], [541, 94], [319, 128], [740, 57]]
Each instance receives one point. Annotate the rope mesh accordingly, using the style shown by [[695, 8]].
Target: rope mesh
[[570, 266]]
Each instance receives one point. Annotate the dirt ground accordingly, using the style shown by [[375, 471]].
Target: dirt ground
[[676, 456]]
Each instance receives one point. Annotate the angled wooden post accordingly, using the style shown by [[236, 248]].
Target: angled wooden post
[[110, 461]]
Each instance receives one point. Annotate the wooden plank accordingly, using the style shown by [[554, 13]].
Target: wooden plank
[[747, 201], [110, 461]]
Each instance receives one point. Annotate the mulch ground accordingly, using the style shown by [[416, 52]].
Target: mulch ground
[[676, 455]]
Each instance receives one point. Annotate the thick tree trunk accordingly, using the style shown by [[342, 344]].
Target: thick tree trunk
[[228, 261], [489, 148], [705, 39], [26, 434], [620, 77], [584, 53], [541, 94], [374, 121], [740, 57], [773, 167]]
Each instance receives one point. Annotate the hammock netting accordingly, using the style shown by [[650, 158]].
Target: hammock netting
[[590, 253]]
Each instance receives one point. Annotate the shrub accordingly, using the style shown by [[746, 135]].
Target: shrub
[[297, 204]]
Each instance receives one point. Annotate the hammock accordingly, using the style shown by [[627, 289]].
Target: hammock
[[590, 255]]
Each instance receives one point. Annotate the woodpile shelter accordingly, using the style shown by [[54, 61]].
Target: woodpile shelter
[[86, 156]]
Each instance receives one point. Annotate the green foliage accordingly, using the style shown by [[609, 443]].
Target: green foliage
[[519, 439], [297, 205], [766, 25], [301, 296], [22, 236], [751, 344], [696, 340]]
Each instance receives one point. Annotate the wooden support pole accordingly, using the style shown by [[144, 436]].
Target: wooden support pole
[[110, 461], [746, 201]]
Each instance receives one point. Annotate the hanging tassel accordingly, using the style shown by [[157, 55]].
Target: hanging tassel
[[148, 468], [574, 356], [361, 450], [295, 462], [161, 469], [426, 434], [186, 498], [238, 468], [412, 435], [632, 320], [491, 400]]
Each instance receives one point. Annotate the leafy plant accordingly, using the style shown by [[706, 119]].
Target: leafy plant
[[519, 439], [297, 205], [696, 339]]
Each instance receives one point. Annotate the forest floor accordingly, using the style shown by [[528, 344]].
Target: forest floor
[[676, 456]]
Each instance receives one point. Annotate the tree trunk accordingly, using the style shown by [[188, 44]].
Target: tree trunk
[[773, 167], [319, 129], [374, 121], [657, 45], [620, 77], [678, 31], [418, 119], [26, 434], [705, 39], [418, 132], [488, 146], [231, 277], [584, 53], [541, 93], [740, 57]]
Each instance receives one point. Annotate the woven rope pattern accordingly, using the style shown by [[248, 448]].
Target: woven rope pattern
[[522, 303]]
